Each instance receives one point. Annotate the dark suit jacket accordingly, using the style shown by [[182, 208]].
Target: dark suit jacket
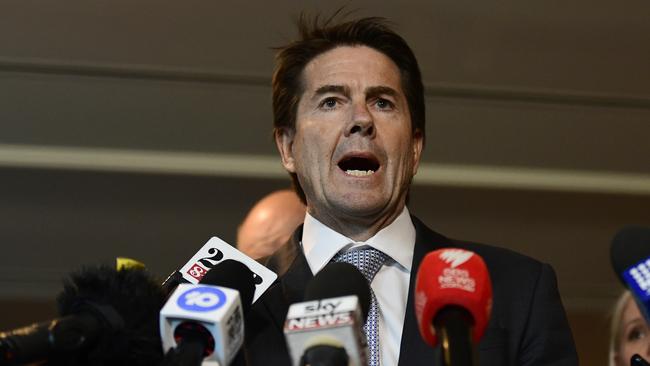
[[528, 325]]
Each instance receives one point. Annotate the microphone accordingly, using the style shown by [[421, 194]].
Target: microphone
[[204, 324], [630, 255], [325, 329], [453, 301], [108, 317], [210, 256], [638, 361]]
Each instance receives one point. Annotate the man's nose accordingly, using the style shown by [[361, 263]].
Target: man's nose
[[361, 122]]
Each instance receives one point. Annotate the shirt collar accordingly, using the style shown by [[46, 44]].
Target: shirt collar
[[320, 243]]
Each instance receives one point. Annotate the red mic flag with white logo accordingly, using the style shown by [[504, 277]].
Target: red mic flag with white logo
[[452, 277]]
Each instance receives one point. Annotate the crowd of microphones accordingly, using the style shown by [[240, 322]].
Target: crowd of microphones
[[111, 316]]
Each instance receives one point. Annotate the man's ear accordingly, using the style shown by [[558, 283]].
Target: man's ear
[[284, 142], [418, 144]]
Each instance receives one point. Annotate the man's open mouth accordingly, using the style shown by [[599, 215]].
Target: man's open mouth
[[359, 166]]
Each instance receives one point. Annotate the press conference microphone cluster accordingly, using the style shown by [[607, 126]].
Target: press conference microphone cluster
[[108, 317], [326, 328], [453, 302]]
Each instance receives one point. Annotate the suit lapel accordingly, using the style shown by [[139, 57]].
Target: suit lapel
[[294, 274], [413, 350]]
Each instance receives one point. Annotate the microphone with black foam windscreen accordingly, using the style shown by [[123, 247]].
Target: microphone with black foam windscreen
[[326, 328], [453, 302], [630, 255], [204, 324], [108, 317]]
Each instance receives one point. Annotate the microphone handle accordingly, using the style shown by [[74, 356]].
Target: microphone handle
[[324, 355], [173, 280], [37, 341], [35, 338], [189, 352], [452, 325]]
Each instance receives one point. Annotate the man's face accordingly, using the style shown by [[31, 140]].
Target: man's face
[[353, 149]]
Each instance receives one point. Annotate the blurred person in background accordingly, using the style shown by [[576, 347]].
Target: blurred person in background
[[270, 223], [629, 332]]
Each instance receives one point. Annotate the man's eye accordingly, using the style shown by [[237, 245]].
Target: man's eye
[[384, 104], [329, 103]]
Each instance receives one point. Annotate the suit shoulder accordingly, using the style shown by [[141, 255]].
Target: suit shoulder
[[499, 260], [498, 255], [507, 266]]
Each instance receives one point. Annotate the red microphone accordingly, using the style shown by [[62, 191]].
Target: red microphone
[[453, 301]]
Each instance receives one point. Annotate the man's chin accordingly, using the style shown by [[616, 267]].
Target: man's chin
[[361, 207]]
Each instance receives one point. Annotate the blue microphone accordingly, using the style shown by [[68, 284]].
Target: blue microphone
[[630, 255]]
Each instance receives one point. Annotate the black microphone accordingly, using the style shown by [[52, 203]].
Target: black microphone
[[638, 361], [340, 279], [172, 281], [205, 322], [108, 317], [326, 329], [630, 255], [234, 275]]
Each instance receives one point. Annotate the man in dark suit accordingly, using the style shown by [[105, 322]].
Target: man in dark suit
[[350, 127]]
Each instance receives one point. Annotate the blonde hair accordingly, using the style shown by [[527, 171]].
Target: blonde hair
[[615, 329]]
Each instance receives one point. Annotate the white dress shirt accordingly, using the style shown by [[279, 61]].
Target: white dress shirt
[[391, 284]]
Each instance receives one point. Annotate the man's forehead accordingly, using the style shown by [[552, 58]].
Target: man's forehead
[[351, 67]]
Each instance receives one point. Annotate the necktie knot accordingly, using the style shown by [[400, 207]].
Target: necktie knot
[[367, 260]]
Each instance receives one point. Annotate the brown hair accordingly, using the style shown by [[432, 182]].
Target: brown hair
[[318, 37]]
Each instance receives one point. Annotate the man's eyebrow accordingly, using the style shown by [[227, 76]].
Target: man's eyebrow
[[375, 91], [338, 89]]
